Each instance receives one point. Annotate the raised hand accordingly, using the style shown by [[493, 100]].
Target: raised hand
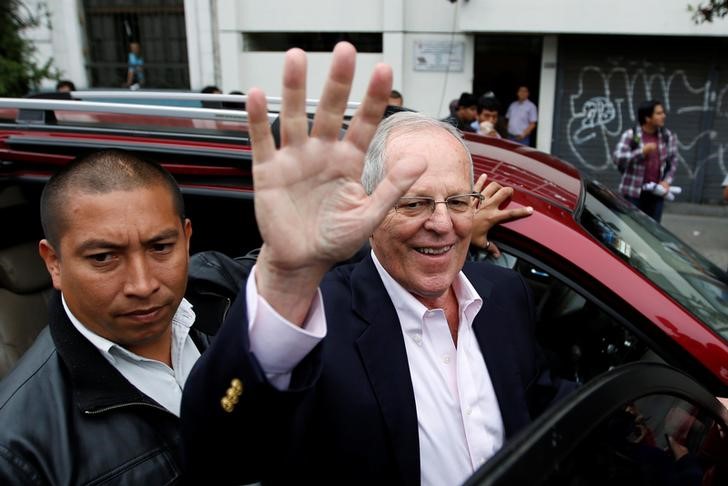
[[489, 214], [311, 208]]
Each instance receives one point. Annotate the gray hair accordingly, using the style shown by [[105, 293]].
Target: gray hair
[[399, 123]]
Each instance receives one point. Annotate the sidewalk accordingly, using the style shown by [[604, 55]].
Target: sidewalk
[[702, 226]]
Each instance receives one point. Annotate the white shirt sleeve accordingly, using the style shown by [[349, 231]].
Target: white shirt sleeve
[[725, 181], [278, 344]]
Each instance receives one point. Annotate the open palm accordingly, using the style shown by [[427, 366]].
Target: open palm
[[311, 208]]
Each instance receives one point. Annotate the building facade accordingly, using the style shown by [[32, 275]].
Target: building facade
[[588, 64]]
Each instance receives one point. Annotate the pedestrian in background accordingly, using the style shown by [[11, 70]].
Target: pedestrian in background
[[646, 155], [65, 86], [135, 67], [522, 116], [395, 98], [465, 113]]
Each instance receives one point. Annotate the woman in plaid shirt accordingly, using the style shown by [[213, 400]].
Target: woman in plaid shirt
[[647, 153]]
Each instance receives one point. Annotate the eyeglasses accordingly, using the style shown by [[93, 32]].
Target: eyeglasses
[[457, 204]]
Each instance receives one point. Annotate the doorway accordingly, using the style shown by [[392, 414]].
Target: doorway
[[505, 62]]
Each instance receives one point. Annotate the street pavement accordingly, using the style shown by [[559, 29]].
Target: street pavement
[[703, 227]]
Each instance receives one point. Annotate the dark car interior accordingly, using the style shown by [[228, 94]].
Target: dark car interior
[[25, 286]]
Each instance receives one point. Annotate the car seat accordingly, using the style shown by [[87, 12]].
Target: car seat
[[25, 290]]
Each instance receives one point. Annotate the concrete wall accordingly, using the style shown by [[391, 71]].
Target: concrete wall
[[402, 22], [60, 37], [202, 43], [622, 17]]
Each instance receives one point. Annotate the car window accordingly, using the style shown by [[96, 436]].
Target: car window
[[580, 339], [649, 248], [643, 424], [655, 440]]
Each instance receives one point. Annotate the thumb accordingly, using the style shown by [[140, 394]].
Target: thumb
[[398, 179]]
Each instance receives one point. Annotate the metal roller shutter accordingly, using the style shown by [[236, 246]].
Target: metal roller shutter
[[602, 80]]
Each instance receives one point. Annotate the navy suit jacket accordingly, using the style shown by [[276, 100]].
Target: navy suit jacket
[[349, 415]]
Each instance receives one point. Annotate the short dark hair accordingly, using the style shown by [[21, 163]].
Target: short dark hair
[[489, 103], [100, 173], [466, 100], [211, 89], [65, 83], [395, 94], [646, 110]]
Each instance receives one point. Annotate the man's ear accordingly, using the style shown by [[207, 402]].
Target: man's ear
[[188, 233], [52, 261]]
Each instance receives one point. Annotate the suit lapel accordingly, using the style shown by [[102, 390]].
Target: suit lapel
[[491, 330], [384, 356]]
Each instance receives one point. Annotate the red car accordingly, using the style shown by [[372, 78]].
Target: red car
[[616, 293]]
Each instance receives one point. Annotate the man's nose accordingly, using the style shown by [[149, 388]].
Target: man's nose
[[141, 280], [440, 219]]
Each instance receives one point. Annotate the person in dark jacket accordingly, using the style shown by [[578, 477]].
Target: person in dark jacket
[[465, 113], [408, 367], [97, 397]]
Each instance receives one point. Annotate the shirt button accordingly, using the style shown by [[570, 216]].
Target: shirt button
[[445, 359], [417, 339], [468, 411]]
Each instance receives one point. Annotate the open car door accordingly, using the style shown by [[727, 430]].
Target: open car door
[[642, 423]]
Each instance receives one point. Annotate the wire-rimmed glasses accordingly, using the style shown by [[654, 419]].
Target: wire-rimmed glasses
[[425, 205]]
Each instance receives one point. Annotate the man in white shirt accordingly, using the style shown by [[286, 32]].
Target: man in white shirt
[[522, 116], [97, 396], [404, 368]]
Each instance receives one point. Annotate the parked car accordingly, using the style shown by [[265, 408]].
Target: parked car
[[616, 293]]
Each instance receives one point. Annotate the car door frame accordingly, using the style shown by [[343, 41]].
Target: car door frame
[[539, 449]]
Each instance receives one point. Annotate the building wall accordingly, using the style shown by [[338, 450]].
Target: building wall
[[203, 43], [402, 22], [59, 36], [610, 17]]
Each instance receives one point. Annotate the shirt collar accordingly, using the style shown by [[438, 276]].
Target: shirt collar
[[469, 301], [182, 321]]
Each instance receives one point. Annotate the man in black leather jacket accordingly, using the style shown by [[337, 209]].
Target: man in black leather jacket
[[96, 399]]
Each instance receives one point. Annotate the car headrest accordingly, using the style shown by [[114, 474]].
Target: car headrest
[[22, 270]]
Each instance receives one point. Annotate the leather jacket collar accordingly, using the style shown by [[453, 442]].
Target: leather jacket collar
[[97, 385]]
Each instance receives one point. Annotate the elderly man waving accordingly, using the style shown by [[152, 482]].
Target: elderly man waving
[[409, 367]]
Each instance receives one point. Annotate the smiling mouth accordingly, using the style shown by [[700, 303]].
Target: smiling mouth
[[434, 251]]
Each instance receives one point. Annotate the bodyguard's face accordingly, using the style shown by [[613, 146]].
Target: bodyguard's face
[[122, 264], [425, 253]]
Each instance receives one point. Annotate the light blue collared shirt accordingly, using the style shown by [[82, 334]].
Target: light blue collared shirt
[[153, 378]]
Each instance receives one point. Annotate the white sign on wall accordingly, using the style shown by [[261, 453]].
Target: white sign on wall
[[439, 56]]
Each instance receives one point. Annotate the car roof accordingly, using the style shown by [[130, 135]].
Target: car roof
[[527, 169]]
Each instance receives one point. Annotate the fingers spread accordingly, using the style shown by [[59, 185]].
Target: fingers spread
[[518, 213], [506, 215], [478, 187], [258, 127], [494, 250], [491, 189], [497, 197], [294, 123], [367, 118], [331, 108]]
